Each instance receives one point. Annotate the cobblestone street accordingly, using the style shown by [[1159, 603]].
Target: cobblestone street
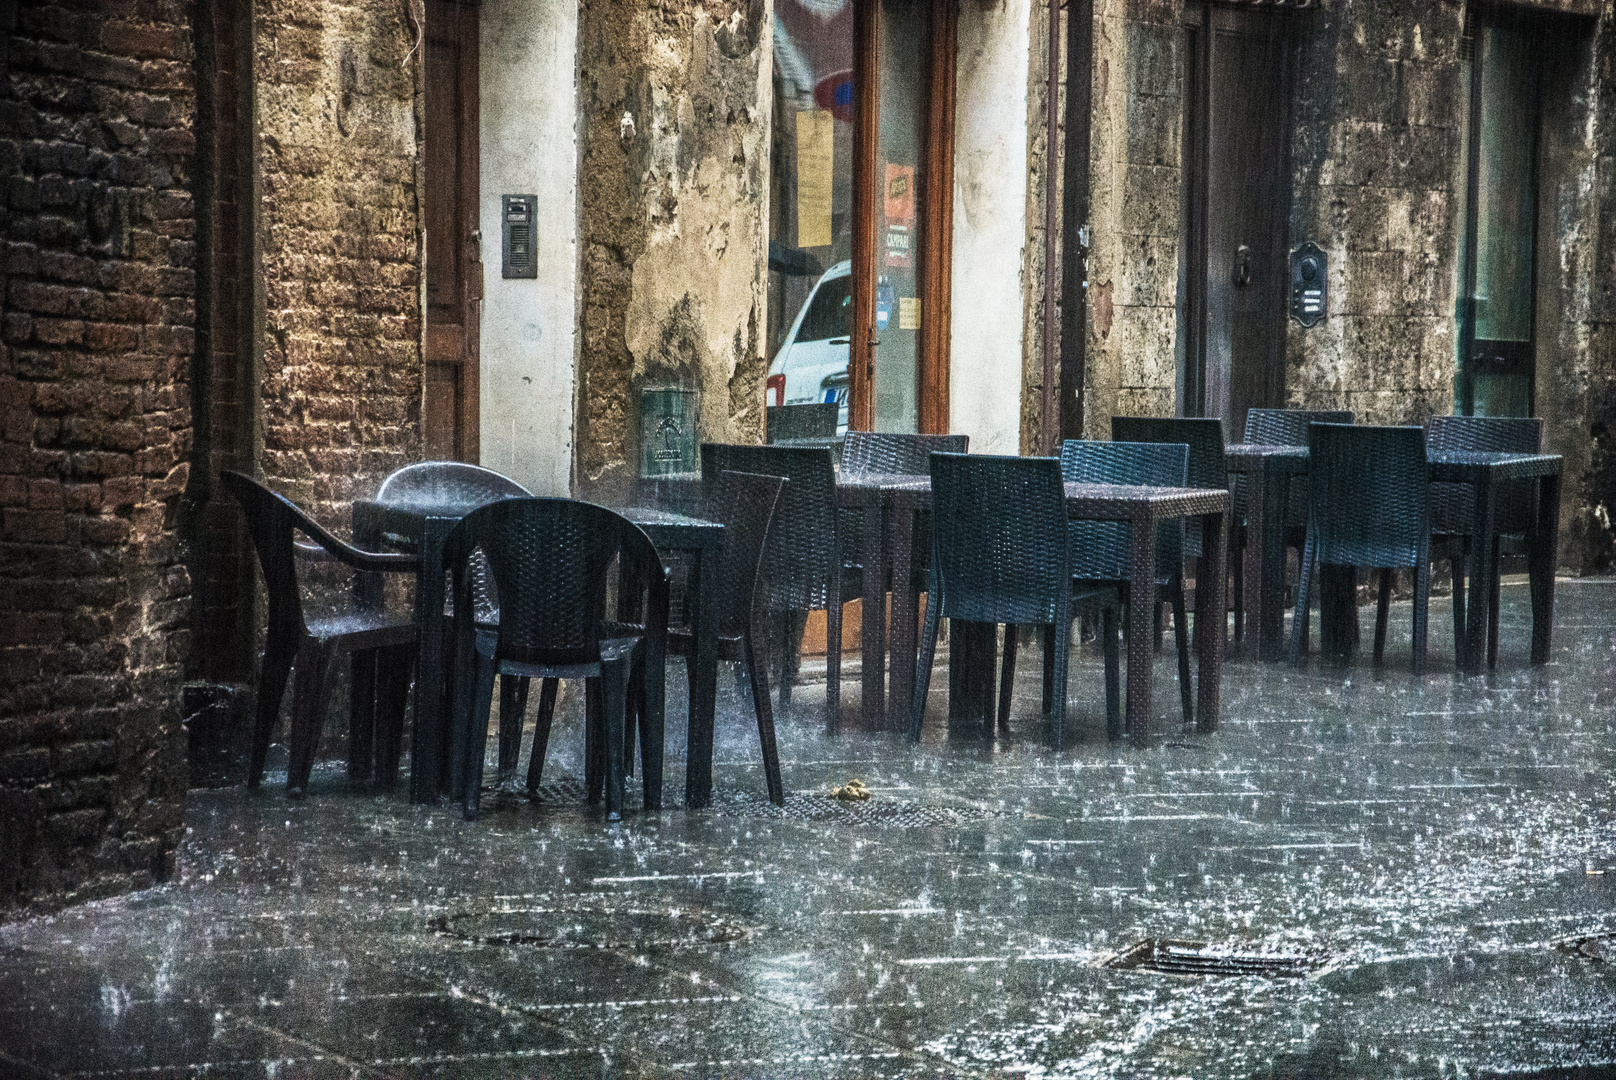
[[1391, 877]]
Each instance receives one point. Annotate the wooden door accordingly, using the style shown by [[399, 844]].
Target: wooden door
[[454, 269], [1239, 221]]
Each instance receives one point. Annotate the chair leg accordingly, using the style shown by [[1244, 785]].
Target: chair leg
[[790, 655], [1422, 599], [471, 739], [1049, 669], [362, 688], [1181, 626], [1156, 614], [594, 752], [1492, 610], [1109, 629], [393, 694], [1457, 568], [614, 686], [272, 676], [633, 714], [541, 734], [309, 696], [1237, 567], [1304, 588], [1382, 610], [652, 734], [757, 670], [928, 655], [1007, 676], [513, 691], [1063, 656], [1307, 622], [833, 666]]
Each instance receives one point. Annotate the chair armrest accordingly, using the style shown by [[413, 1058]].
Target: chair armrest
[[332, 548]]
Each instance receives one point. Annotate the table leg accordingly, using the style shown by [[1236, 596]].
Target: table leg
[[1482, 568], [703, 683], [1141, 623], [653, 722], [1338, 610], [905, 610], [1544, 552], [873, 632], [970, 677], [1210, 621], [428, 761]]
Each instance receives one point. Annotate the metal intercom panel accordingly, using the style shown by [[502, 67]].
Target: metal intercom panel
[[519, 249], [1309, 284]]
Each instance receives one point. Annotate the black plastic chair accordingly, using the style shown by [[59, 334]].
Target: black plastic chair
[[1453, 505], [1002, 553], [314, 645], [456, 483], [1274, 427], [799, 570], [745, 503], [550, 559], [812, 421], [1103, 550], [1369, 506]]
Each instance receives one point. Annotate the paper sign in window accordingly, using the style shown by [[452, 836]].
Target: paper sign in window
[[908, 313], [815, 168]]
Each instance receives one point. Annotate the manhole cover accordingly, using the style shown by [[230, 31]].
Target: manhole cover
[[890, 813], [627, 928], [1601, 947], [1201, 958]]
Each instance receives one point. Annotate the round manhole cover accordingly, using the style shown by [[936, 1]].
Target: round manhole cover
[[627, 928]]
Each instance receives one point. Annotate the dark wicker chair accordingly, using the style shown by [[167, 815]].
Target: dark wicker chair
[[745, 503], [1369, 506], [550, 558], [1453, 505], [355, 626], [799, 572], [1204, 436], [888, 452], [456, 483], [1102, 550], [813, 421], [1274, 427], [1002, 553]]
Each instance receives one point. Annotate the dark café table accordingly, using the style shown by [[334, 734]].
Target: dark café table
[[1269, 470]]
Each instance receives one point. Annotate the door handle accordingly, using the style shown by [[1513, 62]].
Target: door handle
[[1242, 266]]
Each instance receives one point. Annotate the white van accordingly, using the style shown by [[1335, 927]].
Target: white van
[[812, 362]]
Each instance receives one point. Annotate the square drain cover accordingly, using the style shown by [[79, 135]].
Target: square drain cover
[[1202, 958]]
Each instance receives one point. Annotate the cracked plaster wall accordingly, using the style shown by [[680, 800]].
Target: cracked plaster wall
[[674, 101]]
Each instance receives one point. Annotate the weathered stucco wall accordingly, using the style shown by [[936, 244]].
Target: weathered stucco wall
[[990, 225], [96, 311], [1135, 179], [1377, 183], [528, 130], [339, 231], [674, 135]]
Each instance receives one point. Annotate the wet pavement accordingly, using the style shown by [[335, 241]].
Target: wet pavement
[[1385, 876]]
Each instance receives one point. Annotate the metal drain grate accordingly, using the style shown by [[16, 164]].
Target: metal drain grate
[[1201, 958], [822, 809]]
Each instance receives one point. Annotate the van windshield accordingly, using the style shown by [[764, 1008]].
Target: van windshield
[[830, 312]]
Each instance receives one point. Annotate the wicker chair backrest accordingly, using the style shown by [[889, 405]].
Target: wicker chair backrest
[[1288, 427], [888, 452], [999, 546], [1453, 505], [1370, 495], [1102, 550], [1202, 434], [801, 551], [549, 558], [813, 421], [746, 503]]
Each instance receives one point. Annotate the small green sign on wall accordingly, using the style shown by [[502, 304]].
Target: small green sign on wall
[[667, 431]]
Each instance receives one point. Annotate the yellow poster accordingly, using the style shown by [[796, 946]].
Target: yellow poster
[[814, 172]]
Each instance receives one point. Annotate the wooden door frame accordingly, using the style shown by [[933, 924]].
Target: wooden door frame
[[934, 269]]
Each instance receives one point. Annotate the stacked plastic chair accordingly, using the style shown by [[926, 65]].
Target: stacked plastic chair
[[1001, 553], [352, 627]]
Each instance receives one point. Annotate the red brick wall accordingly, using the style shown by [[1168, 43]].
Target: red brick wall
[[96, 251], [341, 393]]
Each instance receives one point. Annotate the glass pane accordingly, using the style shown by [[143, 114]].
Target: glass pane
[[811, 224], [1505, 202], [905, 46]]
